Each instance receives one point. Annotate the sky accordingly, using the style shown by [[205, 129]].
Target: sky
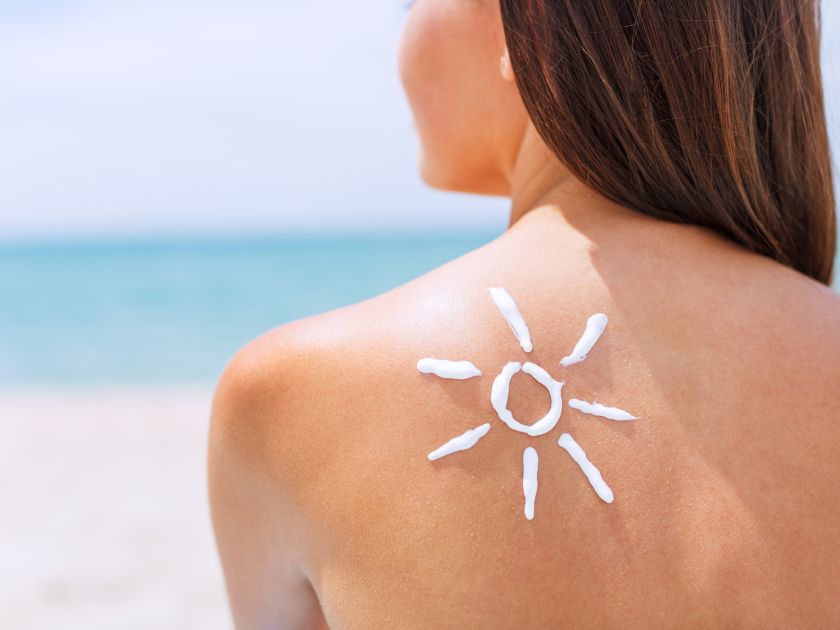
[[193, 117]]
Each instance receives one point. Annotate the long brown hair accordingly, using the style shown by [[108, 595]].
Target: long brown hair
[[707, 112]]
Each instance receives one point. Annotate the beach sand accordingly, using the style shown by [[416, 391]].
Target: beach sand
[[104, 520]]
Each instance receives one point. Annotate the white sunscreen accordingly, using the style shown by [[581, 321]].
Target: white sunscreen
[[595, 326], [592, 474], [501, 389], [508, 307], [461, 443], [459, 370], [597, 409], [530, 463]]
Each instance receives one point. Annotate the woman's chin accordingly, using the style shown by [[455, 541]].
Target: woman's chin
[[452, 180]]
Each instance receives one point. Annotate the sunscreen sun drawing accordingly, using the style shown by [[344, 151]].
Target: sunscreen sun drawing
[[462, 370]]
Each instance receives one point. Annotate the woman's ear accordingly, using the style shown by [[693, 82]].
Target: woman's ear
[[505, 68]]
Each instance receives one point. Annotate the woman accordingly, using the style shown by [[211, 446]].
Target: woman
[[667, 165]]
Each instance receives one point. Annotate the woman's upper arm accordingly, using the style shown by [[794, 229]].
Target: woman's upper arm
[[257, 539]]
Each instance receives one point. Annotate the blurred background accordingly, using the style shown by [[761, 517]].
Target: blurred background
[[177, 177]]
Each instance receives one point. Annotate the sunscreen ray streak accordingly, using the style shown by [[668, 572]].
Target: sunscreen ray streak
[[507, 306], [458, 370], [595, 326], [530, 464], [464, 441], [597, 409], [592, 474]]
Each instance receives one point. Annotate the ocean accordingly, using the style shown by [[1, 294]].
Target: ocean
[[157, 312]]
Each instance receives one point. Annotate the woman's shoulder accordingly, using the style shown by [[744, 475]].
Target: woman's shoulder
[[730, 370], [293, 385]]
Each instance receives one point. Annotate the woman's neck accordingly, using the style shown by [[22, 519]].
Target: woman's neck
[[539, 179]]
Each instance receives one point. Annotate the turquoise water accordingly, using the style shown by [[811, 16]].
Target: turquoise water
[[159, 312]]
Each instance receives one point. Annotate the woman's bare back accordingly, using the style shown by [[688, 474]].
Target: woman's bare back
[[726, 505]]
